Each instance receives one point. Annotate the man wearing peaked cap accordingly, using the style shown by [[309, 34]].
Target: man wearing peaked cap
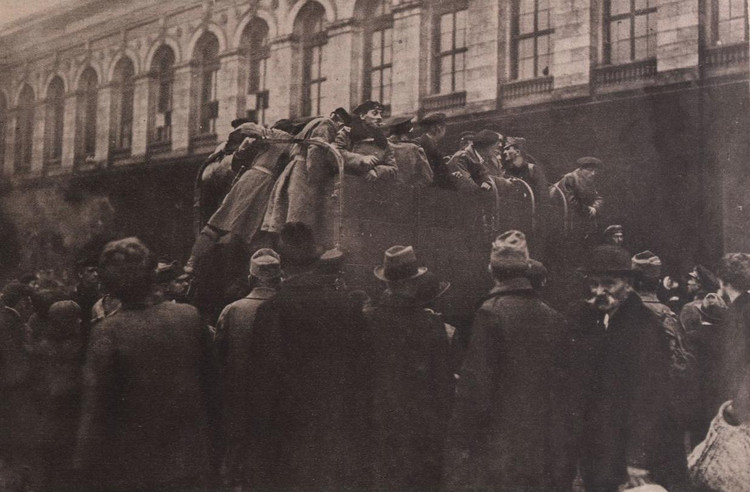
[[413, 377], [579, 188], [508, 428], [433, 131], [364, 146], [233, 334], [411, 160], [621, 392], [516, 165], [470, 168], [614, 235]]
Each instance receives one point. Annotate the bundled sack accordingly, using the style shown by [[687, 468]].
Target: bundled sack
[[722, 461]]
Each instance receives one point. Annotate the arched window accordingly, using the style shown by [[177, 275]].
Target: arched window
[[377, 55], [206, 58], [162, 69], [53, 123], [3, 119], [308, 27], [122, 105], [86, 108], [255, 43], [24, 130]]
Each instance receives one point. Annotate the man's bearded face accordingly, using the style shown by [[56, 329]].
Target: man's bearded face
[[608, 292]]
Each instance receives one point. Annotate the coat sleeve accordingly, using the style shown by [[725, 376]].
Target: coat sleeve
[[387, 168], [466, 448], [478, 173], [319, 158], [352, 161], [649, 394], [424, 175], [99, 398]]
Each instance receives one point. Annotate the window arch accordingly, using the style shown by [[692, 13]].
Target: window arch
[[3, 123], [206, 57], [86, 109], [377, 54], [53, 122], [123, 90], [162, 70], [24, 129], [308, 27], [254, 42]]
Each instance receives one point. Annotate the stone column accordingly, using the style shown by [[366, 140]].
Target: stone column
[[181, 100], [10, 141], [103, 123], [336, 68], [571, 44], [677, 35], [140, 115], [227, 93], [38, 140], [282, 80], [407, 64], [69, 130]]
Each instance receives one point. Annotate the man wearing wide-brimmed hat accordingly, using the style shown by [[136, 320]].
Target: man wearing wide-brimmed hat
[[413, 167], [309, 395], [508, 430], [364, 146], [413, 378], [623, 357]]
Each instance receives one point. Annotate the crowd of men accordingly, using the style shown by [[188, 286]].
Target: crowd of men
[[303, 383]]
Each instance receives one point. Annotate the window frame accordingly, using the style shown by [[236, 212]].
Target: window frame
[[24, 145], [535, 34], [54, 122], [163, 83], [257, 68], [715, 20], [371, 26], [313, 46], [123, 96], [631, 15], [453, 52]]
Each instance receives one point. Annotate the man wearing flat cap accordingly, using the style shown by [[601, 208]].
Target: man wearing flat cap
[[309, 398], [469, 167], [413, 167], [413, 376], [579, 188], [299, 194], [621, 357], [507, 431], [364, 146], [434, 127]]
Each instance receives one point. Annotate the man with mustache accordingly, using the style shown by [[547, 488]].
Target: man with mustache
[[621, 361]]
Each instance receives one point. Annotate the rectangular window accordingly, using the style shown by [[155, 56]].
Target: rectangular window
[[532, 39], [728, 22], [126, 117], [314, 79], [630, 31], [209, 105], [381, 65], [451, 52]]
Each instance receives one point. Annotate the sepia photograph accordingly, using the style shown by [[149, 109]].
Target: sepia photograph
[[375, 245]]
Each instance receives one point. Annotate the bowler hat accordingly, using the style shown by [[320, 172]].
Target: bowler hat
[[367, 106], [589, 162], [433, 119], [297, 245], [417, 291], [707, 279], [509, 252], [399, 263], [265, 264], [485, 138], [608, 259], [646, 264], [712, 307]]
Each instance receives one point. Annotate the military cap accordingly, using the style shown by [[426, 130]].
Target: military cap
[[612, 230], [343, 114], [468, 135], [367, 106], [706, 278], [589, 162], [400, 125], [485, 138], [433, 119], [518, 142]]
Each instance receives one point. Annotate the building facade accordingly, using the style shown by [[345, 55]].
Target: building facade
[[123, 99]]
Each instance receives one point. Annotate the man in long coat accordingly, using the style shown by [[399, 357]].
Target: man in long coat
[[300, 192], [469, 168], [233, 335], [507, 430], [144, 421], [413, 167], [413, 376], [364, 146], [434, 127], [309, 396], [622, 361]]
